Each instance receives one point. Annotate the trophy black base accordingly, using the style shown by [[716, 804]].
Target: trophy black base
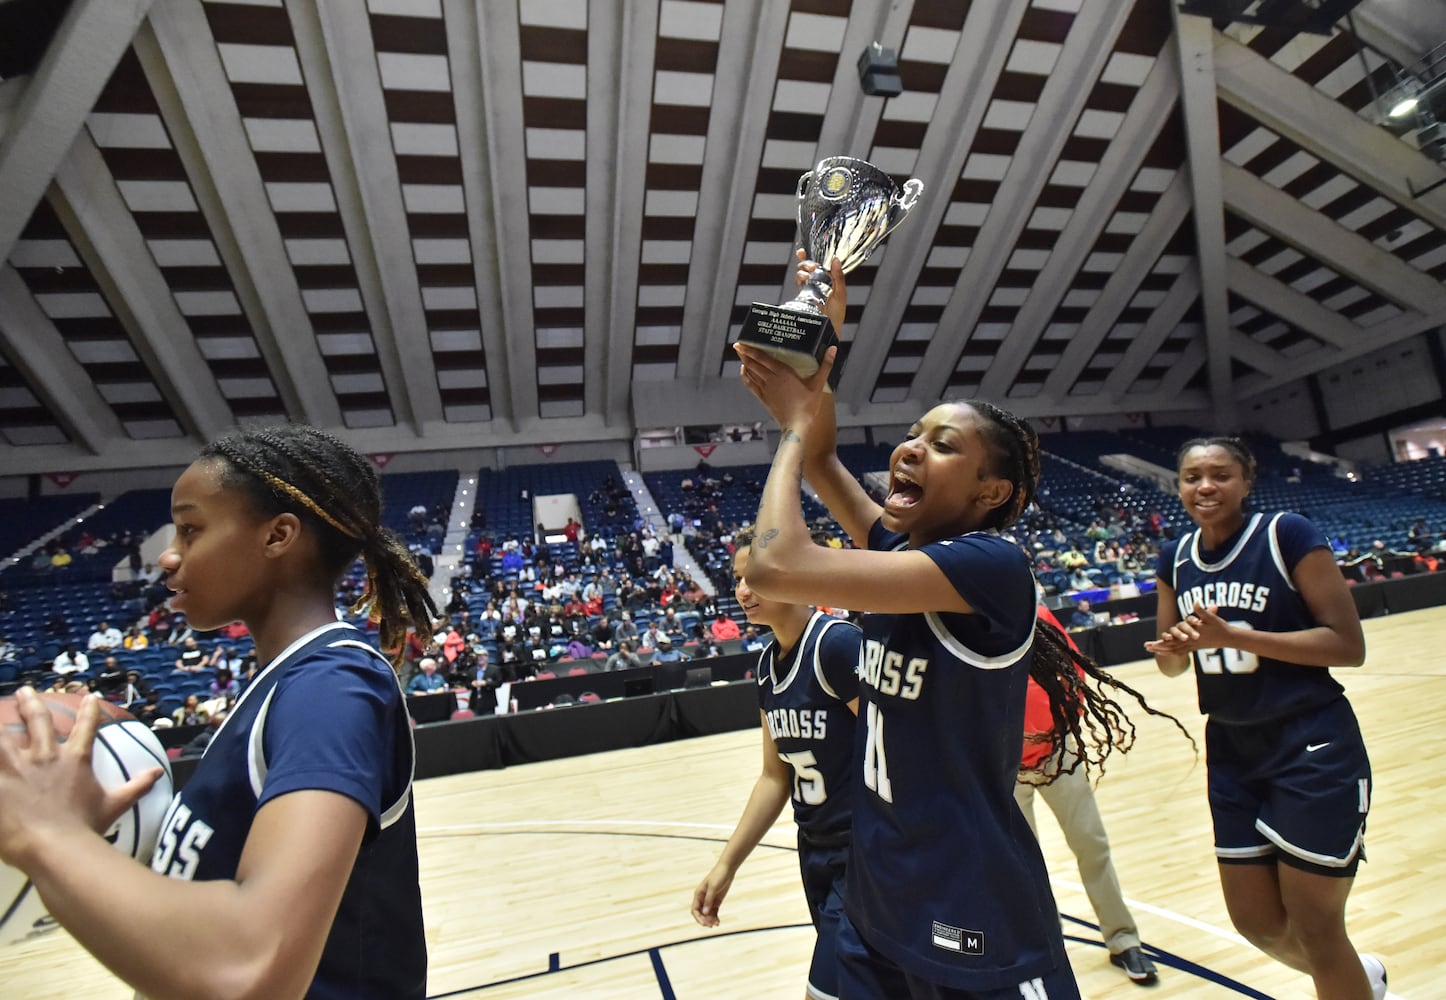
[[798, 339]]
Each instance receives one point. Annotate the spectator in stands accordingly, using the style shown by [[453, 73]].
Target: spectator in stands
[[1080, 580], [135, 638], [626, 630], [148, 711], [196, 746], [426, 680], [482, 681], [159, 624], [707, 649], [671, 624], [192, 657], [190, 713], [181, 630], [1072, 558], [60, 559], [135, 691], [535, 651], [624, 658], [752, 641], [724, 628], [652, 636], [225, 686], [1082, 616], [105, 638], [70, 661], [452, 644], [572, 529], [666, 653], [458, 601]]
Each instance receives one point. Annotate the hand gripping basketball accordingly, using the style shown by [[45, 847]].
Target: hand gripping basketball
[[53, 783]]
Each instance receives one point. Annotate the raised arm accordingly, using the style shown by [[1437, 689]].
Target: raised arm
[[840, 492], [784, 563]]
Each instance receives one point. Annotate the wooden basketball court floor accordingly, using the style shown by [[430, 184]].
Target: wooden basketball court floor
[[573, 878]]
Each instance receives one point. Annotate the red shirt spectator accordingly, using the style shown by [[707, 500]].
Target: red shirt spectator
[[453, 645], [724, 628], [1038, 721]]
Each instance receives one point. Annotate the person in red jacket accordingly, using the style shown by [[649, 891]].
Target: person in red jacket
[[724, 628], [1072, 800]]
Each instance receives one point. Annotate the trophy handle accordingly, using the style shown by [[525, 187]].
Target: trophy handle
[[803, 180], [902, 202]]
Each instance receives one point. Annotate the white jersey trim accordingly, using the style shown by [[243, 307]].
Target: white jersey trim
[[1230, 556], [963, 652], [255, 749], [829, 623], [1275, 555], [975, 659], [1324, 860], [393, 812]]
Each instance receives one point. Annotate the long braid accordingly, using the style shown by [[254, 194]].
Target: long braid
[[1097, 723], [335, 491]]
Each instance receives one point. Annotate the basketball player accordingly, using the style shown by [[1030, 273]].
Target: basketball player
[[1257, 603], [947, 894], [288, 864], [808, 693]]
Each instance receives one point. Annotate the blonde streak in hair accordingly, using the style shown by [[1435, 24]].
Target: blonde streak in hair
[[310, 504]]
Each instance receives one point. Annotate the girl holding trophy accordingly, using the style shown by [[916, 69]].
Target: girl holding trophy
[[947, 894]]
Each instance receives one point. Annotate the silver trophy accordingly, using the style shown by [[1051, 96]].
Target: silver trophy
[[846, 207]]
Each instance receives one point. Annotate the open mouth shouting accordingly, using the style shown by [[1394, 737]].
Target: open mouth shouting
[[904, 491]]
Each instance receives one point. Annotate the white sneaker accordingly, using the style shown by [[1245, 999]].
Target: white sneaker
[[1376, 973]]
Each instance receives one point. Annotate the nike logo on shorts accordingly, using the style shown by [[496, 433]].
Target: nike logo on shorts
[[1313, 747]]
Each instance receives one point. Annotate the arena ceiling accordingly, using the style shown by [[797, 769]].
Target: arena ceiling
[[466, 223]]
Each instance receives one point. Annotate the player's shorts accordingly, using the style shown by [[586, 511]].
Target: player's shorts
[[822, 862], [867, 974], [1292, 790]]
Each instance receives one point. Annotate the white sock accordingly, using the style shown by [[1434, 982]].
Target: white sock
[[1376, 973]]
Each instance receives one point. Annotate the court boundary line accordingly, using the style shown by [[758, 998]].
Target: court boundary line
[[617, 828]]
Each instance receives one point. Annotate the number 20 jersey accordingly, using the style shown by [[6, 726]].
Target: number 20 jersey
[[1249, 580]]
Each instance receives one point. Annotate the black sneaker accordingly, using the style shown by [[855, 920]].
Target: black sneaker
[[1136, 965]]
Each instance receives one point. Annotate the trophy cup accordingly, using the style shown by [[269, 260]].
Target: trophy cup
[[846, 207]]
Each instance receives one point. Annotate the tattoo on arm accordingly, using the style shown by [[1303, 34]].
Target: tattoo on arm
[[768, 536]]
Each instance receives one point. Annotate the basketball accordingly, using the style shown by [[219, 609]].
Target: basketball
[[123, 748]]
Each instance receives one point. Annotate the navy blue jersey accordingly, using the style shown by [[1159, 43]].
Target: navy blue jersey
[[1248, 578], [804, 697], [945, 877], [326, 714]]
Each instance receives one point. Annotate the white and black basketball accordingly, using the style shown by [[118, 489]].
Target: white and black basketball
[[123, 748]]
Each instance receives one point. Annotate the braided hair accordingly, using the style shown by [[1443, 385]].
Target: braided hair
[[335, 492], [1079, 709], [1013, 455]]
